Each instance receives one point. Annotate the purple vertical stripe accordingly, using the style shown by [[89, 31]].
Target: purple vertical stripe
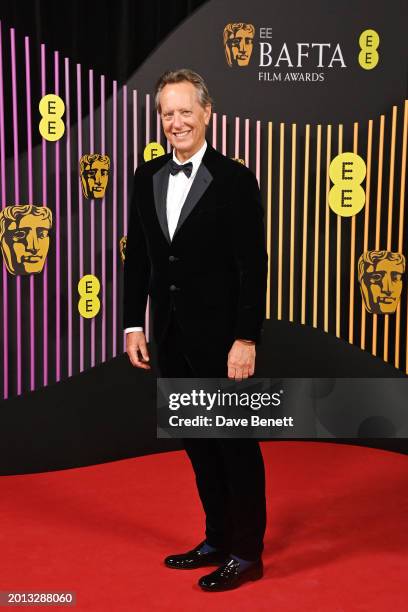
[[125, 160], [2, 133], [135, 134], [147, 118], [125, 176], [135, 140], [114, 218], [236, 154], [168, 146], [224, 135], [69, 211], [92, 203], [57, 237], [247, 142], [103, 227], [80, 215], [258, 152], [158, 128], [15, 116], [214, 130], [44, 201], [147, 121], [30, 201], [3, 204], [16, 195], [91, 113]]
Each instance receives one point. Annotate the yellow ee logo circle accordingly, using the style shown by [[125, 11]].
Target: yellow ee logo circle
[[51, 126], [347, 171], [153, 150], [89, 304], [368, 57]]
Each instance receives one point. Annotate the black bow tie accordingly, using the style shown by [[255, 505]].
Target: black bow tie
[[176, 168]]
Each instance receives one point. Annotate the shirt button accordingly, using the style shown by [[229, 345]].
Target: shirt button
[[172, 258], [173, 288]]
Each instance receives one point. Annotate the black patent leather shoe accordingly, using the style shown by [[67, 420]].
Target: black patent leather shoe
[[194, 558], [229, 577]]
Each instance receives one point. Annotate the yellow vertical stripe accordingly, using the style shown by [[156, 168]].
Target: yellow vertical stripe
[[378, 216], [401, 235], [352, 252], [316, 228], [389, 224], [366, 221], [305, 221]]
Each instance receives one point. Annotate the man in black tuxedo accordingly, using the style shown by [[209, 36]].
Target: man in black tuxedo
[[196, 246]]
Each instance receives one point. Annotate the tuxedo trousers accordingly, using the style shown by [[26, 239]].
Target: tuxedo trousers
[[229, 472]]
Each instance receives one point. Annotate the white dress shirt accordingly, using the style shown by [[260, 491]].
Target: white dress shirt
[[177, 192]]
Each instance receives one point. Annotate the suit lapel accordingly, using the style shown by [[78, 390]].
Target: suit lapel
[[200, 184], [160, 184]]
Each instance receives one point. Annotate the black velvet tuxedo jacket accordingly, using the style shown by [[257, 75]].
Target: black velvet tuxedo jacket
[[212, 274]]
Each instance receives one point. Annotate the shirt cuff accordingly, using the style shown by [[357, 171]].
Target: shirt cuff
[[131, 329]]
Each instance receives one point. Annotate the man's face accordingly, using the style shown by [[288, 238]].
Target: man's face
[[240, 47], [95, 179], [184, 119], [25, 244], [381, 286]]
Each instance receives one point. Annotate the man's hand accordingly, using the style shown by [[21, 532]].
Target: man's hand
[[241, 360], [136, 348]]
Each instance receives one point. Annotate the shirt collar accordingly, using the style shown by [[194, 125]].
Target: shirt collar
[[196, 159]]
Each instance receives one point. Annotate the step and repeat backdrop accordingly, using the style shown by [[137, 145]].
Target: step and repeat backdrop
[[312, 97]]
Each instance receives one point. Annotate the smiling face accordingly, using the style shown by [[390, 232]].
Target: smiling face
[[25, 244], [381, 286], [184, 119]]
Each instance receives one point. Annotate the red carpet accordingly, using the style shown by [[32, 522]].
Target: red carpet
[[337, 538]]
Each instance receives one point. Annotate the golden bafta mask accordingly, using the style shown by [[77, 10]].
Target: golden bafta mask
[[238, 43], [94, 169], [380, 276], [122, 248], [24, 237]]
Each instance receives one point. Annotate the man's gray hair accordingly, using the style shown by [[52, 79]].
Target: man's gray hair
[[180, 76]]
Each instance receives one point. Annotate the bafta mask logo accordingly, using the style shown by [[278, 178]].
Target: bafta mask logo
[[380, 277], [122, 248], [94, 170], [24, 237], [238, 43]]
